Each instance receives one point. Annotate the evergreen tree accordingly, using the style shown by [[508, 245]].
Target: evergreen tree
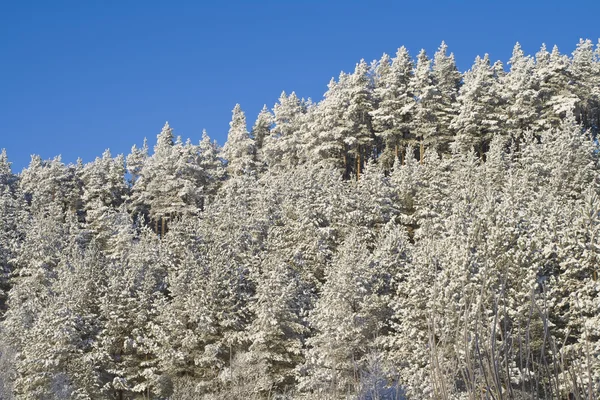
[[557, 100], [276, 334], [584, 70], [11, 218], [284, 146], [423, 90], [50, 183], [327, 128], [478, 119], [35, 271], [262, 127], [128, 309], [359, 136], [211, 168], [135, 162], [104, 190], [240, 149], [392, 117], [522, 92], [169, 186], [347, 318], [446, 80]]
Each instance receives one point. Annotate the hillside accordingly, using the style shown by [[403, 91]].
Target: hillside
[[419, 232]]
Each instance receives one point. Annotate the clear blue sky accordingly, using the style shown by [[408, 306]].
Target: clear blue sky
[[77, 77]]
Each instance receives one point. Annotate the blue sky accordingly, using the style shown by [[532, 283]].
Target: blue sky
[[77, 77]]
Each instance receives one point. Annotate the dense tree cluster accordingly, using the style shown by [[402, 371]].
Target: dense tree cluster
[[417, 233]]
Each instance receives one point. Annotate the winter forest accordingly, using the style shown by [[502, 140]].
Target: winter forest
[[418, 233]]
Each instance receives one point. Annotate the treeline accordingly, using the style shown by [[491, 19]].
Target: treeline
[[417, 233]]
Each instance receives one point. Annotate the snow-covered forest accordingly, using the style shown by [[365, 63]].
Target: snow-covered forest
[[419, 232]]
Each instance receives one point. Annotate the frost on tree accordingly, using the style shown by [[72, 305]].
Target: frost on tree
[[417, 233]]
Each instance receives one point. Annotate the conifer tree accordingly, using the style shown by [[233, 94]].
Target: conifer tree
[[135, 162], [262, 127], [211, 169], [392, 117], [522, 92], [446, 81], [169, 186], [128, 309], [11, 219], [49, 183], [557, 100], [327, 128], [423, 91], [584, 70], [478, 121], [284, 145], [240, 149], [347, 318], [104, 190], [359, 136], [276, 334], [35, 271]]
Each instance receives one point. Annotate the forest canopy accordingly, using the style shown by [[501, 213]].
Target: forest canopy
[[417, 233]]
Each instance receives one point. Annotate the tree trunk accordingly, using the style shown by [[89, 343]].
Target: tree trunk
[[345, 165], [358, 164], [148, 388], [421, 151], [402, 155]]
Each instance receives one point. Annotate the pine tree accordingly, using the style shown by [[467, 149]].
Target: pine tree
[[240, 149], [262, 127], [522, 92], [584, 70], [327, 127], [104, 190], [211, 169], [35, 271], [556, 97], [478, 121], [128, 309], [446, 82], [359, 136], [135, 162], [346, 319], [392, 117], [276, 334], [423, 91], [56, 357], [284, 146], [11, 218], [50, 183], [169, 186]]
